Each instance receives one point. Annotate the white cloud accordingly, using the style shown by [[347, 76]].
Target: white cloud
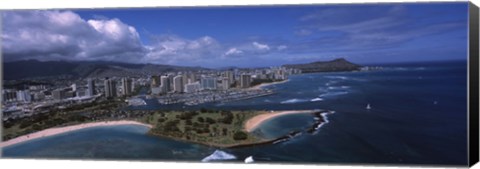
[[47, 35], [260, 46], [64, 35], [233, 51]]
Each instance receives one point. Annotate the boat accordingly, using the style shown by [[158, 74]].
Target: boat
[[368, 107], [249, 159]]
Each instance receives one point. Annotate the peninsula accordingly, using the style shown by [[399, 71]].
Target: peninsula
[[216, 128]]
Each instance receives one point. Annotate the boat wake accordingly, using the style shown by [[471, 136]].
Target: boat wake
[[219, 155]]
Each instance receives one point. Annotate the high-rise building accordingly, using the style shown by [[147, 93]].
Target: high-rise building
[[126, 86], [134, 84], [155, 81], [9, 95], [58, 94], [24, 96], [192, 77], [229, 76], [209, 83], [245, 80], [184, 79], [91, 87], [225, 83], [165, 83], [110, 88], [178, 83], [74, 87]]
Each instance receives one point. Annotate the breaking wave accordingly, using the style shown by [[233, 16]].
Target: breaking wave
[[316, 99], [219, 155], [329, 94], [291, 101], [337, 77], [338, 87]]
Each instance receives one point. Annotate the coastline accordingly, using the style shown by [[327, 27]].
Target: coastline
[[252, 123], [60, 130], [260, 86]]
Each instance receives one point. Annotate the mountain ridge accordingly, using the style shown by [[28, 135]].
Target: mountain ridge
[[25, 69]]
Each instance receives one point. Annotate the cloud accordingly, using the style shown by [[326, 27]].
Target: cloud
[[281, 47], [50, 35], [64, 35], [233, 51], [260, 46], [172, 49], [368, 27]]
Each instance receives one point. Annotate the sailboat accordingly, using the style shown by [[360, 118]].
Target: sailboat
[[249, 160], [368, 107]]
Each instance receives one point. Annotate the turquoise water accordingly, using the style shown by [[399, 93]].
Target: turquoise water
[[282, 125], [107, 142], [418, 116]]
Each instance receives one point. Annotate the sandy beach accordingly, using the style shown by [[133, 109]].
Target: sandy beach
[[255, 121], [260, 86], [59, 130]]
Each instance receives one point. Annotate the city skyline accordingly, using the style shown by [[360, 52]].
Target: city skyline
[[235, 36]]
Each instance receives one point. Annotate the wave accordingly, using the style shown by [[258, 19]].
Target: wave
[[329, 94], [219, 155], [337, 77], [329, 83], [325, 120], [291, 101], [338, 87], [316, 99], [406, 68]]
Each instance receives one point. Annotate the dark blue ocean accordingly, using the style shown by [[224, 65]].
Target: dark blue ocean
[[418, 116]]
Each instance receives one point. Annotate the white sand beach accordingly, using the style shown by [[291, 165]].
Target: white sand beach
[[255, 121], [59, 130], [260, 86]]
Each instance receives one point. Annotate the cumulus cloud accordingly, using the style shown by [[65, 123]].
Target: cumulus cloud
[[51, 35]]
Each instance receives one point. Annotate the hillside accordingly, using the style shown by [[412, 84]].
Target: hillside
[[28, 69], [336, 65]]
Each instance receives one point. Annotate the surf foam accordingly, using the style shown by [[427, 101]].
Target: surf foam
[[291, 101]]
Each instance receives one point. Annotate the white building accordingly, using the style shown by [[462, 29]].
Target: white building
[[225, 83], [192, 87], [178, 84], [24, 96]]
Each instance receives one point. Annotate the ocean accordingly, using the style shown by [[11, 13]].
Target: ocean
[[418, 115]]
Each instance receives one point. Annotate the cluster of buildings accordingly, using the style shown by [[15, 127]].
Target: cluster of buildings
[[195, 84], [191, 82]]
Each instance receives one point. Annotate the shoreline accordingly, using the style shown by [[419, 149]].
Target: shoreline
[[260, 86], [252, 123], [60, 130]]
